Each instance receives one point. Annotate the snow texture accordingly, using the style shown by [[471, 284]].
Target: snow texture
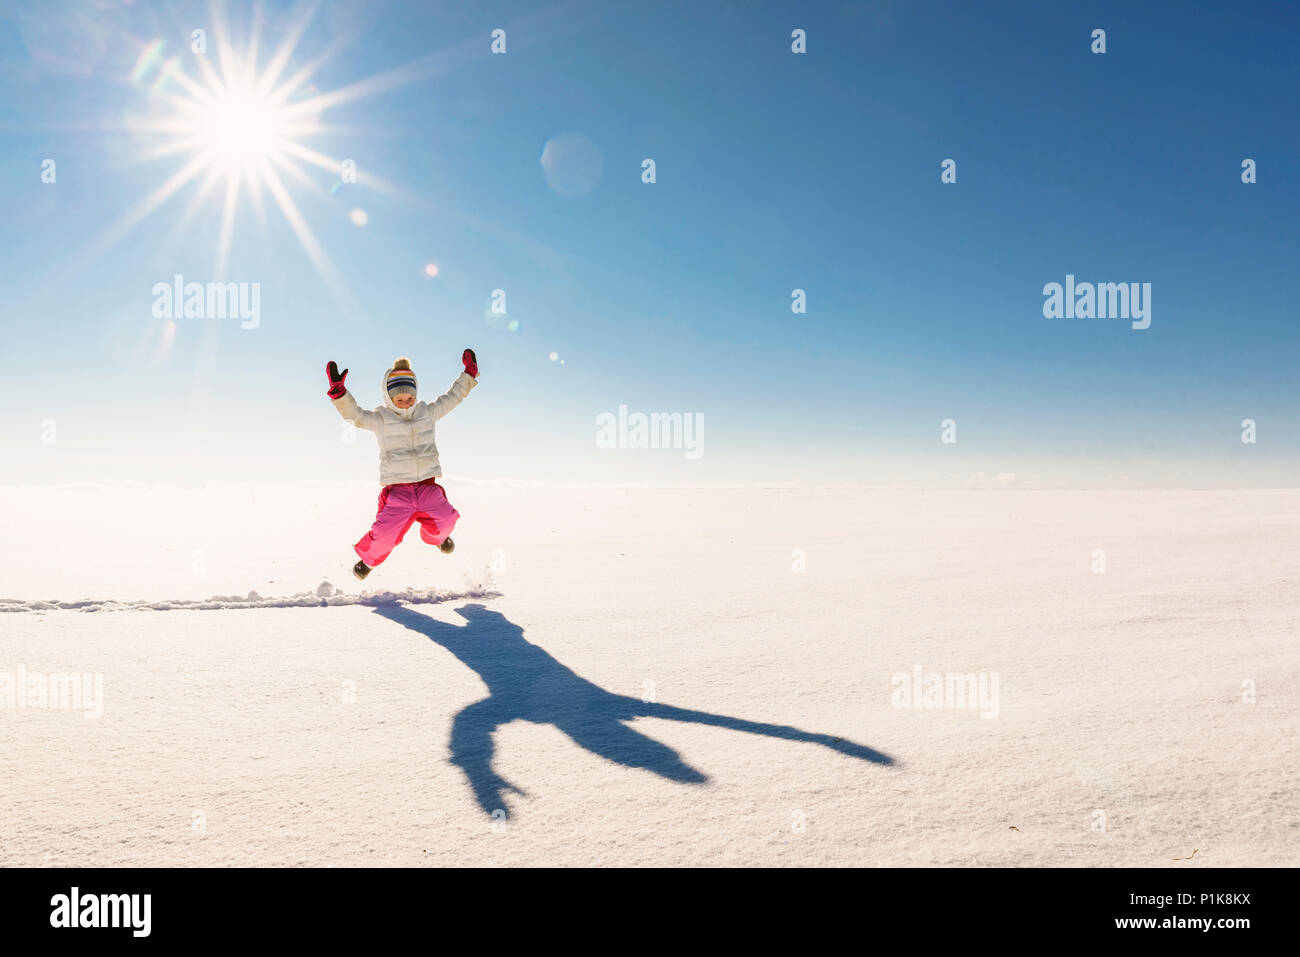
[[315, 599], [651, 676]]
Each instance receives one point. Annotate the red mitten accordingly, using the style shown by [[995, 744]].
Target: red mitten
[[471, 362], [337, 388]]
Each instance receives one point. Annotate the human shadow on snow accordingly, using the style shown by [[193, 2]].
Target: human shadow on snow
[[526, 684]]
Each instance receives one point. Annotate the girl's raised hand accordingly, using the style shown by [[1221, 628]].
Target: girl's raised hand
[[337, 388], [471, 362]]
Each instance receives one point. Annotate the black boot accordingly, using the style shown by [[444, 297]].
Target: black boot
[[361, 569], [447, 546]]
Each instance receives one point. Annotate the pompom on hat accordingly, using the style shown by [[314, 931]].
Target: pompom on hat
[[400, 379]]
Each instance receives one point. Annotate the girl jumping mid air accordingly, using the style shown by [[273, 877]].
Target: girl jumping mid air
[[408, 458]]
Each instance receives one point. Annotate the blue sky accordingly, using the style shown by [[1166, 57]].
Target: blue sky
[[775, 171]]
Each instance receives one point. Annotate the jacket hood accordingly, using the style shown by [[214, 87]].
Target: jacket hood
[[388, 399]]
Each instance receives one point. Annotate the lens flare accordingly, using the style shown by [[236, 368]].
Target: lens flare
[[572, 163]]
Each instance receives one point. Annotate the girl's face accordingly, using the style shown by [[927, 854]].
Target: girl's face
[[404, 401]]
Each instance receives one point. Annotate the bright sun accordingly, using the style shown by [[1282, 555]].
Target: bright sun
[[238, 128]]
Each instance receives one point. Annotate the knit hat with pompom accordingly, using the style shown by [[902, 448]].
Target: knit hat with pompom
[[401, 380]]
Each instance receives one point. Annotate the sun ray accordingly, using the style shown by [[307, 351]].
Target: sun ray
[[291, 86], [332, 165], [280, 59], [215, 88], [175, 146], [315, 252], [250, 66], [197, 200], [226, 56], [430, 65], [196, 90], [227, 222], [255, 198], [133, 216], [298, 173], [401, 76]]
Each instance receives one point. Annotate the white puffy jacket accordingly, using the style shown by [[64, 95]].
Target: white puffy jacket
[[407, 452]]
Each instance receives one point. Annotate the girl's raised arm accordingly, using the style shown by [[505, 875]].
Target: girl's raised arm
[[459, 389], [347, 405]]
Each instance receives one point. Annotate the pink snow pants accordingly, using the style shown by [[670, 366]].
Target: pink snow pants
[[400, 506]]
